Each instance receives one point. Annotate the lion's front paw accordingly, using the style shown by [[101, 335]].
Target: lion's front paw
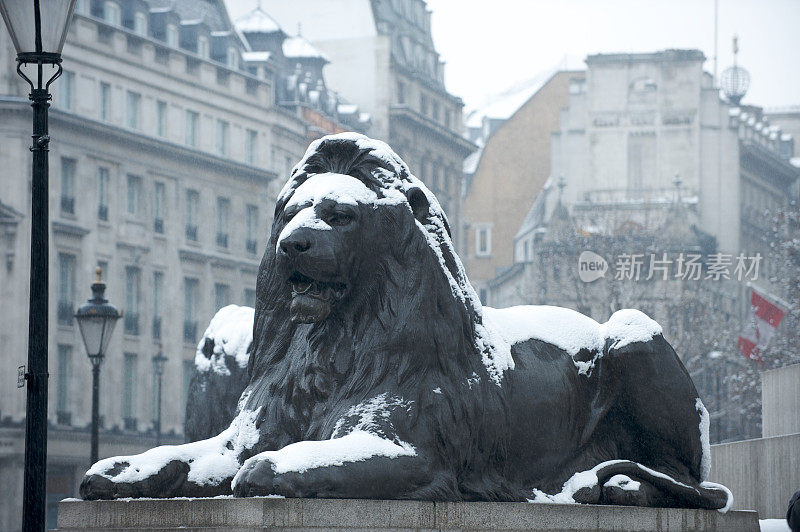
[[256, 477]]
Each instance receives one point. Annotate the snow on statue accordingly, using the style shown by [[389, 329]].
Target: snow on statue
[[374, 372]]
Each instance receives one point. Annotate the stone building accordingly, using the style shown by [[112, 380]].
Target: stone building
[[172, 134], [383, 59], [506, 174]]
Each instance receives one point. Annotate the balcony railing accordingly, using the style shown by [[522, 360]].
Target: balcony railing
[[156, 328], [65, 312], [191, 232], [102, 212], [222, 240], [132, 323], [67, 205], [251, 246], [158, 225], [190, 331]]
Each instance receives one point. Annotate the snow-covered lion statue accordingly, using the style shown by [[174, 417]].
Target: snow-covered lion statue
[[374, 372]]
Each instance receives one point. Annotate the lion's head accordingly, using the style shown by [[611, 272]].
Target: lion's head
[[360, 262]]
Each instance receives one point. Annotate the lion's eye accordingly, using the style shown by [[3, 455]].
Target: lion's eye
[[339, 218]]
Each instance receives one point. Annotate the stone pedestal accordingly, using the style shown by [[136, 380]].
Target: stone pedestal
[[261, 513]]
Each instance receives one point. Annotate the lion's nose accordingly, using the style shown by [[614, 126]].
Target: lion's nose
[[294, 245]]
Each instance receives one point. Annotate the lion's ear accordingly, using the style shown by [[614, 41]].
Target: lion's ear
[[419, 203]]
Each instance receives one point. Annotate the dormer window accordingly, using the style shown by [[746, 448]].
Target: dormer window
[[172, 35], [232, 59], [112, 14], [140, 23], [82, 7], [202, 47]]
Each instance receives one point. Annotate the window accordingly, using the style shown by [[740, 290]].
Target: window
[[223, 216], [232, 58], [132, 110], [423, 104], [577, 85], [134, 194], [222, 137], [64, 90], [436, 111], [483, 241], [447, 119], [526, 251], [251, 226], [249, 297], [202, 47], [82, 7], [140, 23], [105, 101], [190, 290], [132, 297], [191, 128], [66, 288], [188, 373], [112, 13], [158, 292], [68, 185], [222, 296], [63, 414], [159, 200], [250, 146], [483, 296], [401, 92], [103, 177], [172, 35], [192, 203], [161, 119], [129, 380]]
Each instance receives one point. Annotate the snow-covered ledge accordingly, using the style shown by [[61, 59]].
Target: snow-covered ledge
[[307, 514]]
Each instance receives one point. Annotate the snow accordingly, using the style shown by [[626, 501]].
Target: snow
[[370, 412], [470, 165], [705, 424], [298, 47], [257, 21], [774, 525], [256, 56], [437, 390], [569, 330], [210, 461], [346, 108], [232, 331], [623, 482], [357, 446]]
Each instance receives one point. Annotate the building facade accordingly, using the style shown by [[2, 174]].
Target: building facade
[[506, 175], [383, 59], [172, 134]]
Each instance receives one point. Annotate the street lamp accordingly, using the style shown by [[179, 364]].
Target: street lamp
[[38, 29], [158, 363], [96, 320]]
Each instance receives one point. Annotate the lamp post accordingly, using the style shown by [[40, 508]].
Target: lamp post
[[96, 320], [158, 363], [38, 29]]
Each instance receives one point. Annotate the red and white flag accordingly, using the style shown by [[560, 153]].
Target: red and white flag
[[762, 320]]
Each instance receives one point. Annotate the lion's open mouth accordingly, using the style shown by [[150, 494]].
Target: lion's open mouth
[[312, 299]]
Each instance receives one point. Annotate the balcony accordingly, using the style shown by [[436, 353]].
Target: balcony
[[191, 232], [190, 331], [222, 240], [65, 312], [67, 205], [102, 213], [251, 246], [132, 323], [157, 328], [158, 226]]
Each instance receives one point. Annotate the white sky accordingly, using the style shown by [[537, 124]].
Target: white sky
[[490, 45]]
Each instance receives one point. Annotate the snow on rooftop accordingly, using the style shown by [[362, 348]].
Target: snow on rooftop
[[256, 56], [364, 117], [257, 21], [795, 161], [470, 164], [298, 47], [346, 108]]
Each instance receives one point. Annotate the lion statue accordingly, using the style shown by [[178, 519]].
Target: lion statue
[[374, 372]]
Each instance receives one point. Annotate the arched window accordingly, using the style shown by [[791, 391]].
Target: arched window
[[112, 13]]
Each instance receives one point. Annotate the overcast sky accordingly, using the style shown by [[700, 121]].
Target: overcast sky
[[490, 45]]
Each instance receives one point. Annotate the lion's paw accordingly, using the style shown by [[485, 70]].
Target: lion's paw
[[255, 477], [96, 487]]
